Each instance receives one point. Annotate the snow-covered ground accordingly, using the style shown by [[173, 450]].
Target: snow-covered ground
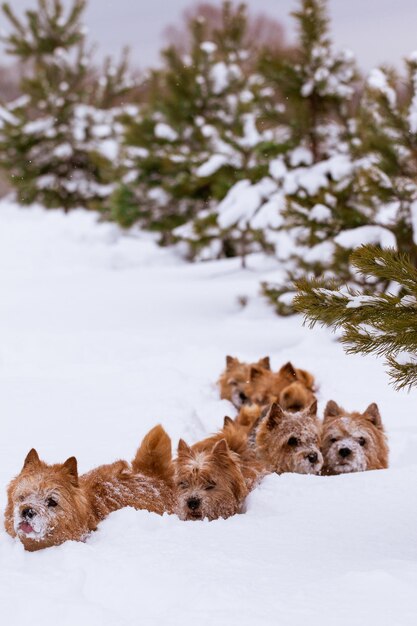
[[101, 337]]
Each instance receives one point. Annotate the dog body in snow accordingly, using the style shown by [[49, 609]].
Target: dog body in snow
[[353, 442], [286, 441], [50, 504]]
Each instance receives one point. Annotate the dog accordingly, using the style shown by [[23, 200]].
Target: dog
[[291, 388], [236, 437], [236, 376], [50, 504], [285, 441], [353, 442], [209, 481]]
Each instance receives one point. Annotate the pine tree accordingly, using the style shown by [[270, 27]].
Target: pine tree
[[321, 200], [384, 324], [58, 141], [388, 128], [198, 134]]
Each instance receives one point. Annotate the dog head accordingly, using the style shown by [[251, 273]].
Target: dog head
[[290, 442], [353, 442], [296, 397], [209, 483], [45, 504], [236, 376], [289, 387]]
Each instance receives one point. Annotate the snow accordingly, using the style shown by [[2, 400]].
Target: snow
[[164, 131], [214, 163], [377, 80], [242, 202], [102, 336], [320, 213], [355, 237], [209, 47]]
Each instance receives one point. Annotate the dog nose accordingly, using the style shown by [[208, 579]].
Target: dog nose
[[28, 513], [242, 397], [193, 503], [312, 457], [345, 452]]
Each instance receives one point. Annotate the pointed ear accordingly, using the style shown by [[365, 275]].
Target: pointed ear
[[288, 370], [265, 363], [372, 413], [274, 416], [312, 409], [221, 448], [230, 360], [332, 409], [32, 459], [70, 466], [255, 372], [228, 421], [184, 449]]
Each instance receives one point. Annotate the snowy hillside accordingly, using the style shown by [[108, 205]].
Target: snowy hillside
[[104, 335]]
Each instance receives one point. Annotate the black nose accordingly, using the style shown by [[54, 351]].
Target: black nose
[[345, 452], [28, 513], [193, 503], [313, 457], [242, 397]]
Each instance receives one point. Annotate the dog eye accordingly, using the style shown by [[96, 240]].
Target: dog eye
[[293, 441], [362, 441], [211, 486], [333, 440], [183, 485], [51, 502]]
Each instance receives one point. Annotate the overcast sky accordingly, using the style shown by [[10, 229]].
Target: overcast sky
[[376, 30]]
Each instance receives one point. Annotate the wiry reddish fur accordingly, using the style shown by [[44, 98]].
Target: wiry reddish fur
[[236, 437], [236, 376], [362, 434], [290, 387], [210, 483], [82, 502], [285, 441]]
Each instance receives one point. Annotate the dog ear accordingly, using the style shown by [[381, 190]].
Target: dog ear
[[273, 416], [255, 372], [332, 409], [70, 466], [221, 448], [230, 360], [288, 370], [32, 459], [265, 363], [372, 413], [227, 421], [312, 409], [184, 449]]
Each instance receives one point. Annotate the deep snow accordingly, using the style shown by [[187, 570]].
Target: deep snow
[[101, 336]]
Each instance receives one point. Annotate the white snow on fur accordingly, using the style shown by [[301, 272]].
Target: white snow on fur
[[104, 335]]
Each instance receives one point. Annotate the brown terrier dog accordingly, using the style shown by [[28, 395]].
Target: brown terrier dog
[[50, 504], [236, 437], [236, 376], [210, 482], [292, 388], [353, 442], [285, 441]]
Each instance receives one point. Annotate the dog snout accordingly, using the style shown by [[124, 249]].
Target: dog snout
[[313, 457], [193, 503], [28, 513], [345, 452], [243, 398]]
